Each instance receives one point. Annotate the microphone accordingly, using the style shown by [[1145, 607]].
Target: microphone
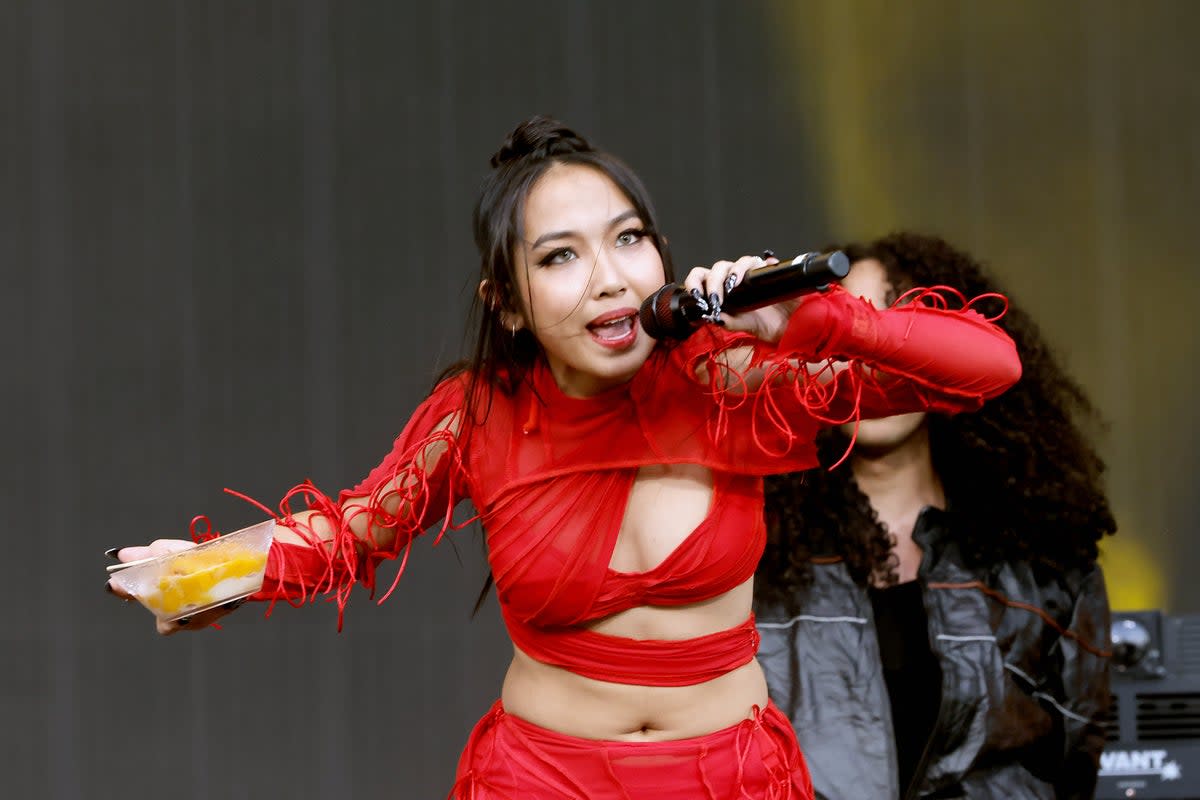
[[673, 313]]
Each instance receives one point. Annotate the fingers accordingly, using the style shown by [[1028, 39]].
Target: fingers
[[711, 284], [116, 590], [159, 547], [162, 547], [195, 623]]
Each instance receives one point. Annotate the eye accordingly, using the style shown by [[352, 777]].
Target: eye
[[631, 236], [560, 256]]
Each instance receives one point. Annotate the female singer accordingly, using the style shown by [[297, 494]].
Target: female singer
[[619, 482]]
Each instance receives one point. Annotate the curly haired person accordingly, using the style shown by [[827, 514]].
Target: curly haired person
[[933, 618]]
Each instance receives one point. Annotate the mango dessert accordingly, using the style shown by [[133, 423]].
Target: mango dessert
[[200, 579], [217, 571]]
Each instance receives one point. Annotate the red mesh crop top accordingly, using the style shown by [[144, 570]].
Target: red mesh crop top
[[550, 474]]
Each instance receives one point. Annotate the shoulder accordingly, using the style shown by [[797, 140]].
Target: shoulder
[[450, 388], [448, 396], [452, 401], [1085, 582], [1055, 593]]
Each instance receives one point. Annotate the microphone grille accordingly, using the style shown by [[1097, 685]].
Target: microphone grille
[[656, 315]]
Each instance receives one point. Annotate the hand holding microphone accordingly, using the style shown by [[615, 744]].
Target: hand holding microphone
[[674, 313]]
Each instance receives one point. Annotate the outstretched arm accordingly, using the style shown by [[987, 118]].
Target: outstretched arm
[[335, 543]]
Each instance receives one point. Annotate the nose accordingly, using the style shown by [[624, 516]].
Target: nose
[[608, 278]]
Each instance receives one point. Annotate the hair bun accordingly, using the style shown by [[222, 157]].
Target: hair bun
[[538, 138]]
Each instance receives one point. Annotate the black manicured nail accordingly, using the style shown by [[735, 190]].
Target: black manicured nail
[[700, 299], [183, 621], [112, 551], [714, 302], [730, 282]]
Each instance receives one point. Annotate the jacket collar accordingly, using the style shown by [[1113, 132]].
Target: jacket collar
[[931, 526]]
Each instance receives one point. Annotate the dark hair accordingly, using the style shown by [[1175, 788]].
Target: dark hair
[[1020, 472], [499, 359]]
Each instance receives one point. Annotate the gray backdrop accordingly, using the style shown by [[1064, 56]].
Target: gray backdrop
[[236, 249]]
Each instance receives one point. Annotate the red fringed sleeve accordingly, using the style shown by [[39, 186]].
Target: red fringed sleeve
[[841, 360], [919, 355], [929, 356], [418, 483]]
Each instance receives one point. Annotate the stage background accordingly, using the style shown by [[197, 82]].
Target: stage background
[[236, 250]]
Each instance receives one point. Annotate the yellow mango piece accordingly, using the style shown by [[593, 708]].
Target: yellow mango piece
[[192, 576]]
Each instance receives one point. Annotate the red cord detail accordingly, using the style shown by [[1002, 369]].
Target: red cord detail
[[331, 565], [843, 351], [1004, 599]]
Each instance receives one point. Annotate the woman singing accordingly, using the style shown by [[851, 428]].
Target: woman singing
[[619, 483]]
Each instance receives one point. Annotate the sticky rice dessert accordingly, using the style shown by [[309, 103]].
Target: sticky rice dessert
[[197, 580], [218, 571]]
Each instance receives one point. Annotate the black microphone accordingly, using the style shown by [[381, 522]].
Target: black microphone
[[673, 313]]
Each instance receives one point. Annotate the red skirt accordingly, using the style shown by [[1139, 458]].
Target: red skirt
[[507, 758]]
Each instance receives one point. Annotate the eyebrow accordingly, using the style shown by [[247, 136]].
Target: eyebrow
[[546, 237]]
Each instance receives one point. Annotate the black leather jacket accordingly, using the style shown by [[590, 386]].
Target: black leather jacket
[[1024, 659]]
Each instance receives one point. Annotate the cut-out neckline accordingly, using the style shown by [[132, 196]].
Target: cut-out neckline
[[678, 549]]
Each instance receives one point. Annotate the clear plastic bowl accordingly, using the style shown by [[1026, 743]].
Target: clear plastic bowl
[[218, 571]]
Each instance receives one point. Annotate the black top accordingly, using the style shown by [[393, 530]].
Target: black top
[[914, 680]]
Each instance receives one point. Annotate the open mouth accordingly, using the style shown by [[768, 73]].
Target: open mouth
[[615, 330]]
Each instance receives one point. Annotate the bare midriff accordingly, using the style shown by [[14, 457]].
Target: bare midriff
[[560, 700]]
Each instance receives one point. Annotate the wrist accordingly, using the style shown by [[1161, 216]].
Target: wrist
[[807, 330]]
